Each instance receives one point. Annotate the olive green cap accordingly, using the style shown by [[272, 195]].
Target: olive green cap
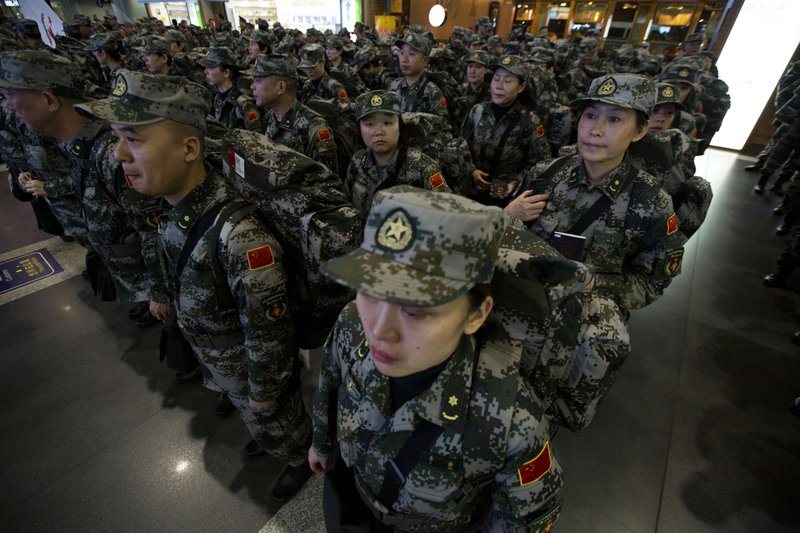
[[631, 91], [377, 101], [42, 71]]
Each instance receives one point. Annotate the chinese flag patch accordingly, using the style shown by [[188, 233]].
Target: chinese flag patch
[[436, 180], [540, 131], [443, 102], [231, 157], [536, 468], [128, 181], [342, 94], [260, 257], [324, 135], [672, 224], [251, 116]]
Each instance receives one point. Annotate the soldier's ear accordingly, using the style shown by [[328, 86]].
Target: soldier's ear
[[53, 102], [479, 315]]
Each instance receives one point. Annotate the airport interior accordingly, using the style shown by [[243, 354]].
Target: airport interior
[[696, 434]]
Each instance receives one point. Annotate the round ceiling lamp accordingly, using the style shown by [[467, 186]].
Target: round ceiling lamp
[[437, 15]]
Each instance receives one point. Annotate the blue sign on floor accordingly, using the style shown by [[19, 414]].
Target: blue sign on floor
[[25, 269]]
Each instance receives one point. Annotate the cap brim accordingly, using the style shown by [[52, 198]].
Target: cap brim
[[8, 85], [387, 280], [206, 63], [306, 64], [606, 100], [117, 113]]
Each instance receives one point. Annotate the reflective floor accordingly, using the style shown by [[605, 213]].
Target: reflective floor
[[696, 435]]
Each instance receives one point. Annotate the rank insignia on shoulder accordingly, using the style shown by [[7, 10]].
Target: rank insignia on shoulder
[[324, 134], [342, 94], [536, 468], [672, 224], [540, 131], [260, 257], [442, 102], [672, 265], [363, 349], [436, 181], [276, 307]]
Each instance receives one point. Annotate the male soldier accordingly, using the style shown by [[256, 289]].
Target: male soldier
[[178, 51], [259, 43], [319, 82], [42, 88], [417, 92], [221, 72], [28, 33], [231, 297], [289, 122], [484, 27]]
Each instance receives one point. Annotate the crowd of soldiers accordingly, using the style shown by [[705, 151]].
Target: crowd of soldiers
[[210, 172]]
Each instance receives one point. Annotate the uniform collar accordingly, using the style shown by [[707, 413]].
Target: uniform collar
[[207, 193], [611, 185]]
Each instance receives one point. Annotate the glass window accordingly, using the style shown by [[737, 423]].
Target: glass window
[[622, 20]]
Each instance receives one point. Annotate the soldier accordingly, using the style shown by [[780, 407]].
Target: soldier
[[340, 69], [156, 56], [504, 134], [598, 208], [476, 89], [319, 83], [107, 50], [221, 73], [178, 51], [260, 43], [417, 92], [387, 159], [401, 428], [246, 338], [289, 122], [42, 88]]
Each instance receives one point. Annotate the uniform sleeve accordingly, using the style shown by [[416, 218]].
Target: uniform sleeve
[[468, 134], [330, 379], [258, 284], [432, 174], [435, 102], [142, 213], [651, 267], [527, 490], [538, 147], [322, 146]]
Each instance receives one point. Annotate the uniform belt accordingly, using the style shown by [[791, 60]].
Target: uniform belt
[[118, 250], [216, 342], [381, 513]]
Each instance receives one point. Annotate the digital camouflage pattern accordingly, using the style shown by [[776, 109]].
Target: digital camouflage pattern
[[377, 102], [249, 349], [439, 493], [630, 91], [304, 131], [42, 71], [423, 96], [525, 144], [635, 246], [364, 177], [325, 87]]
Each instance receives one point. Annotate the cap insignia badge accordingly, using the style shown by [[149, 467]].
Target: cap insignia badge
[[506, 61], [607, 88], [683, 73], [376, 101], [409, 38], [121, 87], [667, 92], [396, 233]]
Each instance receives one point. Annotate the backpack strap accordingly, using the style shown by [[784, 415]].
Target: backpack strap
[[242, 209], [197, 230], [420, 94], [602, 203]]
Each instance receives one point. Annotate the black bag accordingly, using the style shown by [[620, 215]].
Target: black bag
[[100, 278], [174, 347]]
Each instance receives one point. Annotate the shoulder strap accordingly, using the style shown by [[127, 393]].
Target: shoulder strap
[[220, 279], [602, 203], [499, 151], [197, 230], [420, 93]]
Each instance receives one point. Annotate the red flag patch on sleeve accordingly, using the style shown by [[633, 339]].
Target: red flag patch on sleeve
[[252, 115], [672, 224], [342, 94], [260, 257], [442, 102], [436, 180], [536, 468], [540, 131], [324, 134]]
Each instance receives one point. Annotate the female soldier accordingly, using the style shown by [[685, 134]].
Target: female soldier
[[421, 424], [387, 159], [504, 135], [107, 50], [601, 209]]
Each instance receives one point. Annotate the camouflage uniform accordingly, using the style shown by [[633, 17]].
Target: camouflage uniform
[[365, 177], [224, 104], [325, 86], [463, 480], [424, 95], [305, 131]]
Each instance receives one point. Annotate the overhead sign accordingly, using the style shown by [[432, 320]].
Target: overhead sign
[[25, 269], [49, 23]]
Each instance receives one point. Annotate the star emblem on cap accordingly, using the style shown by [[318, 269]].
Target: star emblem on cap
[[396, 233], [376, 101], [683, 73], [607, 88], [409, 38], [668, 92], [121, 87], [506, 61]]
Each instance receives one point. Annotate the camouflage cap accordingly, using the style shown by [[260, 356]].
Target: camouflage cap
[[334, 41], [493, 41], [313, 31], [484, 21], [104, 41], [479, 56], [42, 71], [377, 102], [175, 36], [417, 41], [362, 58], [218, 55], [273, 65], [156, 45], [679, 73], [310, 55], [668, 94], [631, 91], [543, 55], [344, 32], [142, 98], [696, 37], [512, 48], [261, 37], [422, 248], [514, 64], [476, 40], [27, 27]]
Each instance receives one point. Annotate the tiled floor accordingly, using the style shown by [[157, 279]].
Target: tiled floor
[[696, 435]]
